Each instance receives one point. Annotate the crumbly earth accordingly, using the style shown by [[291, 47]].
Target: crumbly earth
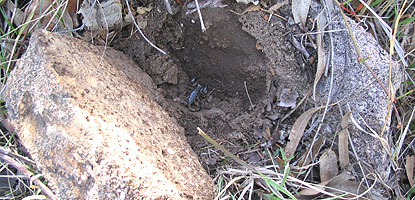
[[251, 68], [237, 59], [247, 63]]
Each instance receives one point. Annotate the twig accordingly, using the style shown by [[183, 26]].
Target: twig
[[9, 153], [272, 13], [247, 94], [318, 32], [402, 137], [106, 31], [355, 153], [258, 8], [202, 25], [330, 87], [139, 30], [168, 7], [28, 175], [300, 47], [331, 77], [371, 71]]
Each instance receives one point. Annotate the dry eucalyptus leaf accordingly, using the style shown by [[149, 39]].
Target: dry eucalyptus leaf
[[300, 11], [409, 167], [328, 165], [297, 130], [346, 183], [313, 191], [345, 120], [343, 146], [344, 142], [321, 52]]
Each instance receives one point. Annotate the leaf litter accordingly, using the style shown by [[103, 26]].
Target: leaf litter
[[342, 181]]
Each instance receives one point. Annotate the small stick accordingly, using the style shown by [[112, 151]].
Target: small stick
[[139, 30], [202, 25], [246, 90], [28, 175], [168, 7], [300, 47], [9, 153]]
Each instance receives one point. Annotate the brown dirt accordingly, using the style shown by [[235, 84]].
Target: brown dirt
[[234, 50]]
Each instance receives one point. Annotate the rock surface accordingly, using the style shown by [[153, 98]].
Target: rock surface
[[89, 117], [356, 90]]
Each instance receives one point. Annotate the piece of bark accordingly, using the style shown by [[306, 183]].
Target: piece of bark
[[91, 121]]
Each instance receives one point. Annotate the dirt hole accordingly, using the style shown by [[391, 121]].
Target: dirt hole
[[230, 62]]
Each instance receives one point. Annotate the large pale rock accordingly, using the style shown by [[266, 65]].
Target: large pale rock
[[356, 90], [90, 120]]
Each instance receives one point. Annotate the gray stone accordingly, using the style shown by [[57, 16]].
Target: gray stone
[[356, 89]]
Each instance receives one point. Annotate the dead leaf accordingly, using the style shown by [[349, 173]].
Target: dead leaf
[[44, 10], [107, 14], [346, 183], [409, 167], [300, 11], [345, 120], [328, 165], [266, 131], [313, 191], [73, 6], [18, 14], [297, 130], [38, 7], [253, 157], [143, 10], [321, 52], [344, 142], [314, 151], [288, 98]]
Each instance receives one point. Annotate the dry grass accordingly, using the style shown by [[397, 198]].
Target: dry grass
[[393, 25], [391, 22]]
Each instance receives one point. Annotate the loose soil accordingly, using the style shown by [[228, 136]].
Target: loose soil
[[242, 60]]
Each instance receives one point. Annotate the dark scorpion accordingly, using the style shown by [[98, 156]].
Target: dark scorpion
[[193, 100]]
